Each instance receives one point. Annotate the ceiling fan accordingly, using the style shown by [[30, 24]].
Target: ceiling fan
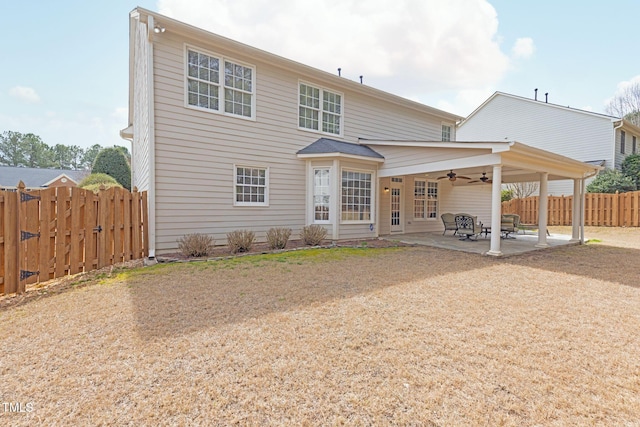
[[452, 176], [484, 178]]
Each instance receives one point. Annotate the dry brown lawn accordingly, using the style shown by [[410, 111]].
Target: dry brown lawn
[[404, 336]]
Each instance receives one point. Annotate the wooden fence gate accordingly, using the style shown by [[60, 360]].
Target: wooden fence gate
[[53, 232]]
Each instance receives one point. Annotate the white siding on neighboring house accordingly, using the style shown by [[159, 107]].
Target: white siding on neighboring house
[[580, 135], [577, 134]]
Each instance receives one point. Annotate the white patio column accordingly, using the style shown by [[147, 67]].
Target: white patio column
[[543, 206], [496, 211], [575, 217]]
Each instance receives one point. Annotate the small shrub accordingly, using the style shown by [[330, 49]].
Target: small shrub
[[313, 234], [240, 240], [95, 180], [196, 245], [278, 237]]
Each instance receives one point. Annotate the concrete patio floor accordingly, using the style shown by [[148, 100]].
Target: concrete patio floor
[[522, 243]]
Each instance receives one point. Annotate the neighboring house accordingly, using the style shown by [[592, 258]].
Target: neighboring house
[[226, 136], [582, 135], [35, 178]]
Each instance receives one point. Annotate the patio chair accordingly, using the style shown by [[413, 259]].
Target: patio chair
[[449, 221], [467, 226], [509, 223]]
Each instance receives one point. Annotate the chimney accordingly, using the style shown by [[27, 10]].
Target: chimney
[[546, 97], [536, 92]]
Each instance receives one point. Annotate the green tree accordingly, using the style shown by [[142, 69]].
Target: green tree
[[610, 181], [62, 156], [37, 153], [113, 162], [631, 168], [90, 155], [12, 149], [506, 195]]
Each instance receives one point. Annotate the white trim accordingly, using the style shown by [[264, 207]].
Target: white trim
[[62, 175], [495, 146], [266, 186], [313, 189], [221, 87], [458, 163], [341, 155], [322, 89]]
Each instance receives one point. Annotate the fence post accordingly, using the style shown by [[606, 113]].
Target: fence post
[[11, 241]]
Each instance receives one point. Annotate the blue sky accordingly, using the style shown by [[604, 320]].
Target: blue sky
[[64, 73]]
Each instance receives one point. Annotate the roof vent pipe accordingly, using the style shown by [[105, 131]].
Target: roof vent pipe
[[536, 92], [546, 97], [360, 79], [339, 72]]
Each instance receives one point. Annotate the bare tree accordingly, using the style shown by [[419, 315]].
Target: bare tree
[[626, 102], [521, 190]]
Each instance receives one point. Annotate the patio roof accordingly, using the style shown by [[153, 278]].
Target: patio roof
[[520, 162]]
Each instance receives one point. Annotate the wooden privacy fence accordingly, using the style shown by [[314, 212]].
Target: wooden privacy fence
[[53, 232], [614, 210]]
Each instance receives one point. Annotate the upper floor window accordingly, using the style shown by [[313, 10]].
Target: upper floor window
[[622, 142], [320, 109], [251, 185], [446, 132], [218, 84]]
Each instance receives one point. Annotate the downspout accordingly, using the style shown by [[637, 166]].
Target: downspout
[[152, 144], [615, 139]]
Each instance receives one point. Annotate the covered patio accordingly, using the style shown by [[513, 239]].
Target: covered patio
[[520, 244], [470, 177]]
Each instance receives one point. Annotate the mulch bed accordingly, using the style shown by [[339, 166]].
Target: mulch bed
[[263, 248]]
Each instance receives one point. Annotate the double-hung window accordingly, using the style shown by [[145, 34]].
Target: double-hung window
[[419, 197], [432, 199], [219, 84], [446, 132], [251, 186], [321, 194], [356, 196], [425, 199], [319, 109]]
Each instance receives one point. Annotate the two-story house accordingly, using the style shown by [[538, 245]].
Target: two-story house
[[586, 136], [226, 136]]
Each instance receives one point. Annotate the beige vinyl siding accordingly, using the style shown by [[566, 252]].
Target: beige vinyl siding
[[140, 149], [195, 150], [410, 156]]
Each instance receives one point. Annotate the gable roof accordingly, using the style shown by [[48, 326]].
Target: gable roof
[[10, 176], [183, 29], [530, 100], [325, 146]]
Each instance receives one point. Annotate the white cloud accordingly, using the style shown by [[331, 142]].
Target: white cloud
[[625, 85], [523, 48], [25, 94], [408, 47]]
